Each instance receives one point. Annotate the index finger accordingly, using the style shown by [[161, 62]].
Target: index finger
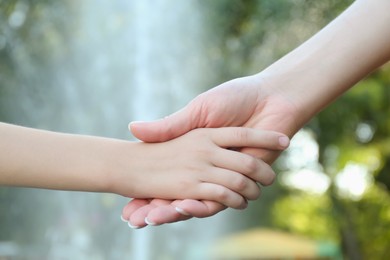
[[248, 137]]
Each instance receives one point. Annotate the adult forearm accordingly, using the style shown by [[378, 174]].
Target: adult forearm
[[333, 60], [44, 159]]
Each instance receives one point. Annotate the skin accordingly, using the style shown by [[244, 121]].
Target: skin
[[283, 97], [196, 165]]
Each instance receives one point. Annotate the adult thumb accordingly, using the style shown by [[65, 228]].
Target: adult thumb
[[166, 128]]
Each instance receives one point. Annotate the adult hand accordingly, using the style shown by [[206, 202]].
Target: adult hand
[[244, 102]]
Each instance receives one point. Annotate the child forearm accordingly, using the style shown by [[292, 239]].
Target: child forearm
[[44, 159]]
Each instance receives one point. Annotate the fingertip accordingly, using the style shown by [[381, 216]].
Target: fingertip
[[131, 125], [243, 205], [149, 222], [269, 180], [182, 211], [123, 219], [133, 226], [142, 130], [284, 141]]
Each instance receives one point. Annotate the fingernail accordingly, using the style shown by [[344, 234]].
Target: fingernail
[[147, 221], [124, 220], [182, 211], [131, 226], [284, 141], [134, 122]]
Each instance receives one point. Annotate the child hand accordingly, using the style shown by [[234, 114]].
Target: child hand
[[198, 166]]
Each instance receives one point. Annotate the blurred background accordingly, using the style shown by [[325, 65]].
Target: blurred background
[[92, 66]]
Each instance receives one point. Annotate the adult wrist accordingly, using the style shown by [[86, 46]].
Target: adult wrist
[[275, 87]]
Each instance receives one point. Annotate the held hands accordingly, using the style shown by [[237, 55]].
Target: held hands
[[281, 98], [197, 165], [246, 102]]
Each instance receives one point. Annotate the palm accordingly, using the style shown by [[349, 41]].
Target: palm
[[240, 102]]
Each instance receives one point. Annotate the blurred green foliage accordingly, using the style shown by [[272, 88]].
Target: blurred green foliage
[[306, 214]]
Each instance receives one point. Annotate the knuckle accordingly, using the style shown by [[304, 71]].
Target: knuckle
[[198, 110], [204, 152], [242, 135], [251, 164], [185, 183], [241, 184], [229, 199], [222, 194]]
